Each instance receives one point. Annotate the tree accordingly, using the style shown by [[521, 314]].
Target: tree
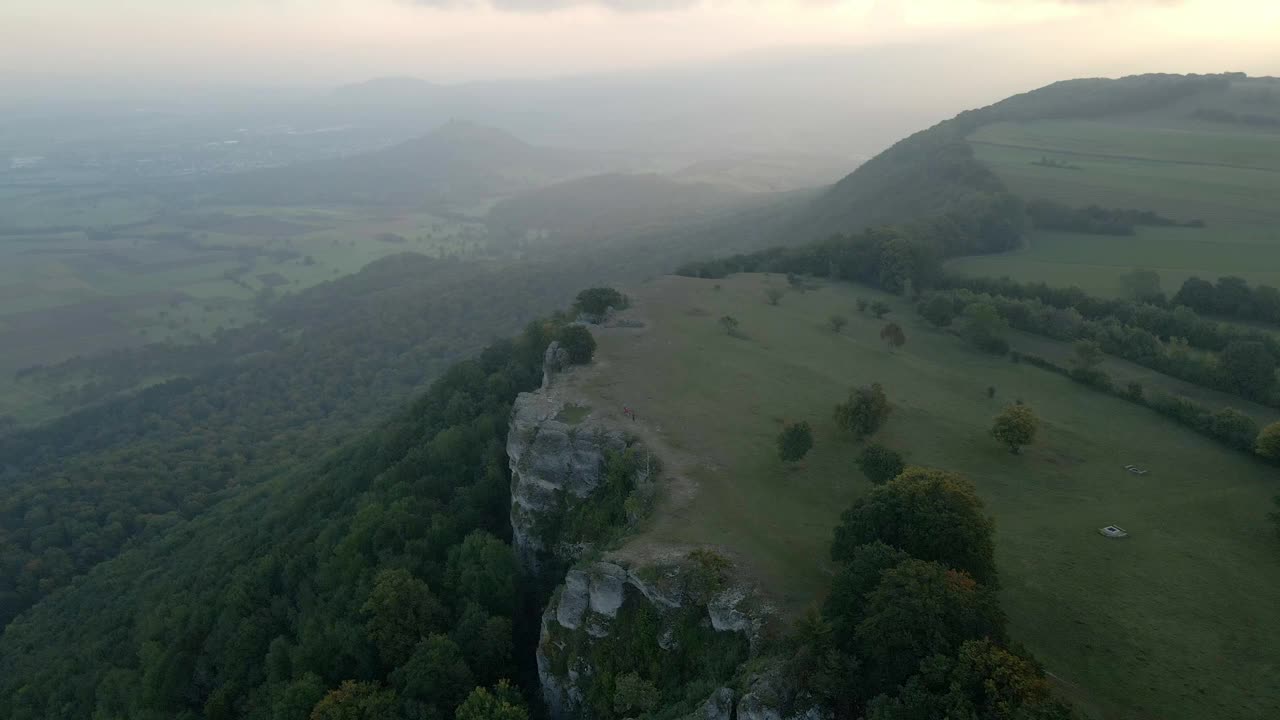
[[938, 310], [920, 609], [483, 570], [1234, 427], [794, 441], [435, 676], [1274, 516], [1086, 354], [893, 335], [730, 325], [880, 464], [501, 703], [578, 342], [862, 571], [984, 328], [879, 309], [633, 695], [860, 304], [983, 681], [357, 701], [1248, 368], [1015, 427], [401, 611], [930, 514], [836, 323], [597, 301], [773, 295], [1142, 286], [1268, 442], [864, 412]]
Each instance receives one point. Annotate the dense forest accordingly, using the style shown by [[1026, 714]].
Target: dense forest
[[384, 564]]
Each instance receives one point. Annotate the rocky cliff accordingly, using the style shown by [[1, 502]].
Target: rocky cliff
[[559, 456], [624, 629]]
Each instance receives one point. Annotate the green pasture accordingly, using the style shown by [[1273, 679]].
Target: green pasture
[[1096, 262], [1180, 620], [1226, 176]]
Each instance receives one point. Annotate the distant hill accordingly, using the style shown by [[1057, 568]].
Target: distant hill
[[605, 204], [934, 171], [460, 162]]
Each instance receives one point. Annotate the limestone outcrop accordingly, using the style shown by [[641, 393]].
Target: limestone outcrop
[[602, 605], [554, 463]]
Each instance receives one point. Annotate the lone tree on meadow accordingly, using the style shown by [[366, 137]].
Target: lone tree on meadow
[[879, 309], [1268, 443], [864, 412], [861, 304], [836, 323], [880, 464], [730, 325], [794, 441], [1015, 427], [773, 295], [597, 301], [893, 335]]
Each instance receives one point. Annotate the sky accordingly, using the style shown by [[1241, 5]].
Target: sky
[[318, 43]]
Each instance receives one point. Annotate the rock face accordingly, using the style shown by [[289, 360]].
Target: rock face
[[592, 610], [554, 361], [553, 463]]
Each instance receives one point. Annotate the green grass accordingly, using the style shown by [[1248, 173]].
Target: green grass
[[1180, 620], [1227, 176], [1095, 262]]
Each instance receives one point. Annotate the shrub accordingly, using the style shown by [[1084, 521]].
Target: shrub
[[597, 301], [578, 342]]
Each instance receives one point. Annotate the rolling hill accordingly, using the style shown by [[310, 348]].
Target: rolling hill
[[457, 164]]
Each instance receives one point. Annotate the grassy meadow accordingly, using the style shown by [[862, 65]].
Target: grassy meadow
[[1227, 176], [1179, 620]]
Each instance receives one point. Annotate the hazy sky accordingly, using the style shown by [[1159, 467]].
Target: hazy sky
[[326, 42]]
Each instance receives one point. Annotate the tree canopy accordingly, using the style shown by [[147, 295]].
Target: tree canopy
[[1015, 426], [864, 411], [930, 514]]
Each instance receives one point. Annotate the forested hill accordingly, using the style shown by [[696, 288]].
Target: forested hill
[[374, 583], [934, 171]]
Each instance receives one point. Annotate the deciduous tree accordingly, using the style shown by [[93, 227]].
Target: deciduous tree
[[1015, 427], [880, 464], [893, 335], [930, 514], [794, 441], [1268, 442], [864, 412], [920, 609]]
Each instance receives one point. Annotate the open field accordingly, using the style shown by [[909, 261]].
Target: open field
[[1180, 620], [1227, 176], [1096, 262], [130, 275]]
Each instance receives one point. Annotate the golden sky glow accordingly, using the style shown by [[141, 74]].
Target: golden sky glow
[[331, 41]]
